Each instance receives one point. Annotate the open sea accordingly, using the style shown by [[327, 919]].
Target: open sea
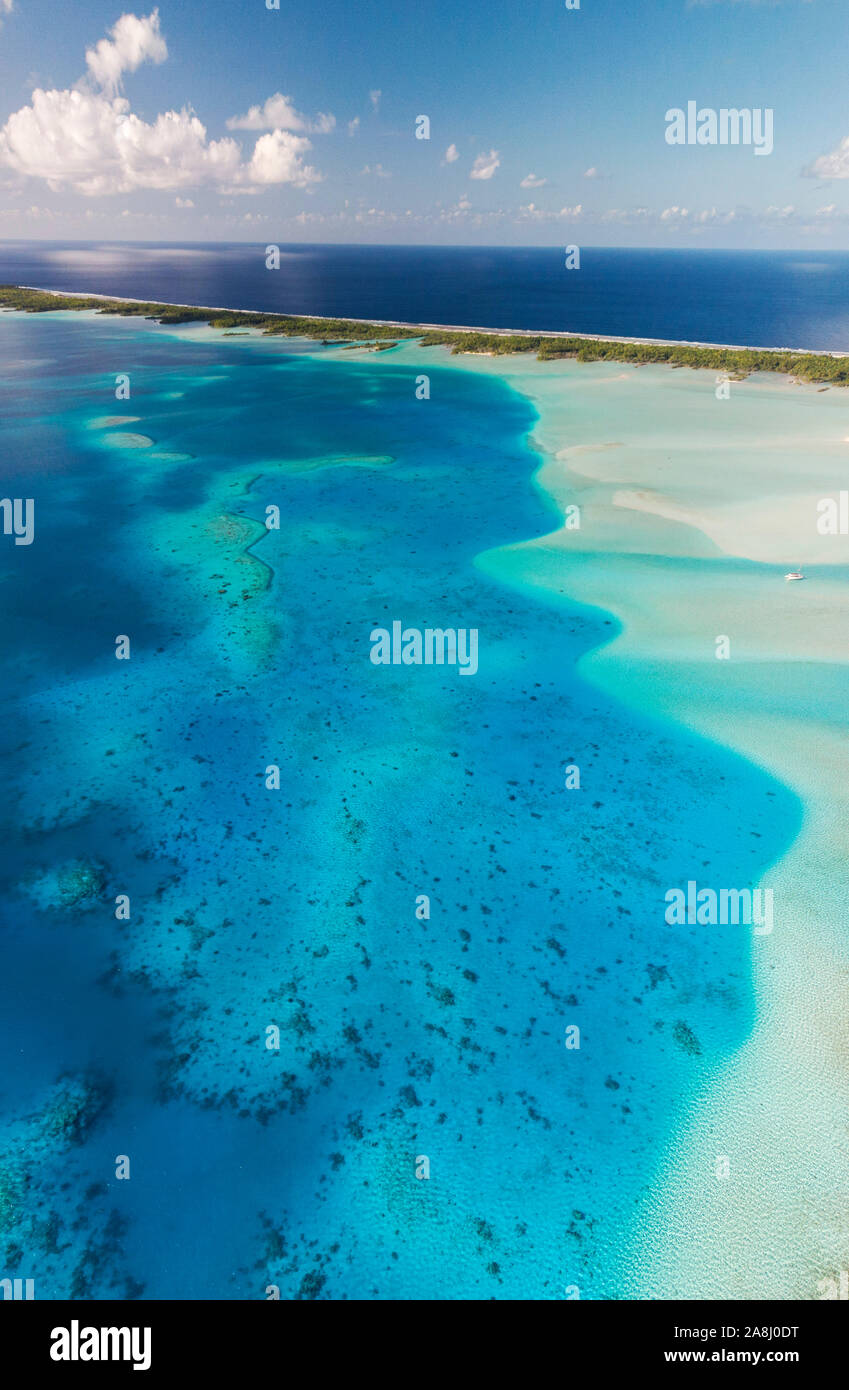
[[797, 299]]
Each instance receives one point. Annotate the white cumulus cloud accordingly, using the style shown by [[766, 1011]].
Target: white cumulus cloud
[[277, 159], [712, 217], [95, 145], [92, 142], [451, 154], [278, 113], [831, 166], [135, 40], [531, 181], [485, 165]]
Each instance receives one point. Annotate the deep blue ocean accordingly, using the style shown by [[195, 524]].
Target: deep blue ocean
[[144, 1037], [794, 299]]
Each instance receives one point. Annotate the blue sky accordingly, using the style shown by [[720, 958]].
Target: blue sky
[[547, 125]]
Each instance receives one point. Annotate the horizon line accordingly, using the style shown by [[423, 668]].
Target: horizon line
[[426, 246]]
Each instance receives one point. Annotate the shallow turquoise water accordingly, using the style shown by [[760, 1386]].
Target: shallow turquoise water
[[252, 907]]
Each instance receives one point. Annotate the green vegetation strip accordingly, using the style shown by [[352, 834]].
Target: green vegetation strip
[[736, 362]]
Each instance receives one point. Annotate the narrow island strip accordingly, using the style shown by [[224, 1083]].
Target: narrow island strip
[[815, 365]]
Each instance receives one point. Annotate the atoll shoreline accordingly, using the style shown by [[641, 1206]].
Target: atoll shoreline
[[811, 364]]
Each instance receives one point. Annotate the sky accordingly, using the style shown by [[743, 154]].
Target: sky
[[229, 120]]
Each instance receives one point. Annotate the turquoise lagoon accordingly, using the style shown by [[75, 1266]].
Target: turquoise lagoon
[[295, 908]]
